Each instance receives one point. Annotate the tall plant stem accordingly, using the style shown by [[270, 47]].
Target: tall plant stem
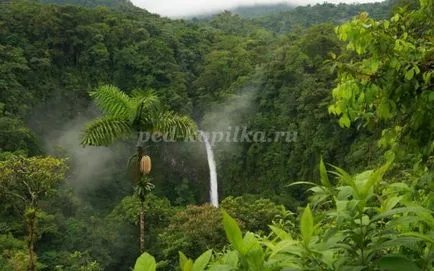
[[142, 226], [31, 224]]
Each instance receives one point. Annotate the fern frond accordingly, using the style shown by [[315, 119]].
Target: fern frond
[[104, 131], [112, 101]]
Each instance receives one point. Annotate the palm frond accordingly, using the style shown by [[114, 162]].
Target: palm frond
[[147, 99], [104, 131], [112, 101], [146, 106], [174, 126]]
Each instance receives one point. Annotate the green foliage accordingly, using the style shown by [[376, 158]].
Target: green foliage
[[198, 265], [145, 263], [397, 263], [357, 232], [233, 232], [15, 136], [306, 226], [320, 13], [124, 115], [27, 180], [184, 193], [249, 249], [77, 261], [292, 96], [389, 83], [13, 253], [254, 213], [66, 51], [261, 76], [192, 230], [157, 210], [13, 62]]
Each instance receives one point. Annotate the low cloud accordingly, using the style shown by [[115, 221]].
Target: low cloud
[[180, 8]]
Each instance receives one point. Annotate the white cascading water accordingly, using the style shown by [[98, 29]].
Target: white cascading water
[[213, 192]]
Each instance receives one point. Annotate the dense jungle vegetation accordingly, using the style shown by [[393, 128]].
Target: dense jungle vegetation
[[354, 191]]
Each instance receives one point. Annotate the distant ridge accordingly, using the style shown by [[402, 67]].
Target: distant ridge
[[310, 15], [259, 10], [92, 3]]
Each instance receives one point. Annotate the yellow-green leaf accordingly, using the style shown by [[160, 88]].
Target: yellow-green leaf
[[323, 174], [232, 230], [306, 225], [202, 261], [145, 263]]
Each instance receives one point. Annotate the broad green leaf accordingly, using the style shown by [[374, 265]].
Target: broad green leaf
[[282, 234], [231, 258], [182, 259], [401, 210], [347, 179], [344, 121], [253, 253], [344, 192], [298, 183], [396, 263], [409, 74], [284, 247], [363, 221], [323, 174], [306, 225], [233, 232], [424, 237], [222, 267], [390, 203], [402, 241], [145, 263], [202, 261], [288, 247], [374, 179], [255, 260], [401, 187], [269, 244], [188, 265], [250, 241]]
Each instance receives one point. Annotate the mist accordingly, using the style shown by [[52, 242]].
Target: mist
[[185, 8], [225, 119], [90, 166], [231, 112]]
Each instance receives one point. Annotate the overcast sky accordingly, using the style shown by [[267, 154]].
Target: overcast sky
[[179, 8]]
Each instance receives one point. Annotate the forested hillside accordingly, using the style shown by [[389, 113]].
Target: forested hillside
[[353, 90], [306, 16]]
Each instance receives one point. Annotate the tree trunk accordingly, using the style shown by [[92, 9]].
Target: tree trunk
[[140, 154], [31, 222], [142, 227]]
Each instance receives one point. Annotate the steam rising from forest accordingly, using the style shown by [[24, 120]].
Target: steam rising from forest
[[89, 165], [93, 166], [234, 111]]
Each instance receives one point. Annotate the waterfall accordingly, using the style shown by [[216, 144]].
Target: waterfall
[[213, 192]]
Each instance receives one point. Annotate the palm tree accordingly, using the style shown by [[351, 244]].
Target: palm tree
[[125, 115]]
